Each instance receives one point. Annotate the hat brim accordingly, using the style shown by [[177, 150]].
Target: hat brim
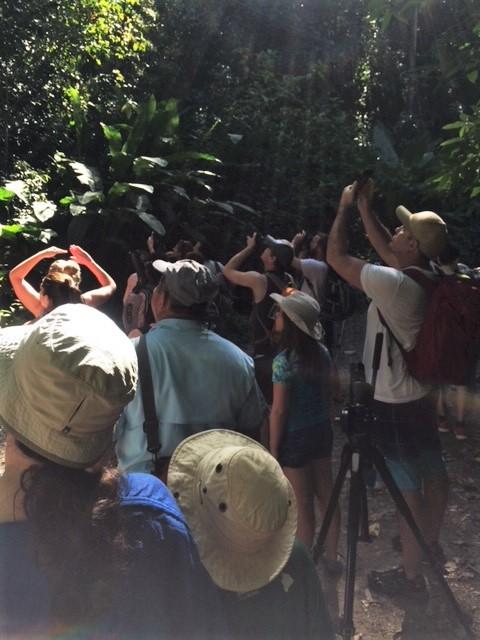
[[230, 570], [10, 340], [404, 215], [316, 332]]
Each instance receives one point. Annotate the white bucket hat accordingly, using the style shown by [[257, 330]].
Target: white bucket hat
[[239, 505], [64, 381], [302, 310]]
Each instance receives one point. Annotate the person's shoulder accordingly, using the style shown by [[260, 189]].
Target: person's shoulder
[[229, 348], [281, 357], [146, 490], [312, 264]]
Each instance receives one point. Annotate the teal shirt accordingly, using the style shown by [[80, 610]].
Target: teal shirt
[[200, 380], [309, 400]]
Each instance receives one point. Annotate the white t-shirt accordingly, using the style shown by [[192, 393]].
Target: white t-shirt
[[316, 272], [402, 303]]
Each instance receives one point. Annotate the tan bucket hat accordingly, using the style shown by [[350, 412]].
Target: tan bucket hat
[[303, 311], [427, 228], [239, 505], [64, 381]]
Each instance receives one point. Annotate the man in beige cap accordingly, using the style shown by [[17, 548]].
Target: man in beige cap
[[405, 429], [200, 380]]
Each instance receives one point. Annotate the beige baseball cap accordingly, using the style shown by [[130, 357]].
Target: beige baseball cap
[[238, 504], [427, 228], [187, 281], [64, 381]]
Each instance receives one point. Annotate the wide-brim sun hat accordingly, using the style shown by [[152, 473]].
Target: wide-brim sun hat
[[303, 310], [187, 281], [64, 381], [427, 228], [239, 506]]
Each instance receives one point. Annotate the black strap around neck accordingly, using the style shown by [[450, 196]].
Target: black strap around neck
[[150, 425]]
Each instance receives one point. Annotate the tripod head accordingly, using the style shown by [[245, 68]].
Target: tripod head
[[357, 416]]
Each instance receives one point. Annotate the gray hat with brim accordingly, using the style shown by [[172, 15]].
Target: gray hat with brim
[[64, 381], [187, 281], [303, 311], [427, 228]]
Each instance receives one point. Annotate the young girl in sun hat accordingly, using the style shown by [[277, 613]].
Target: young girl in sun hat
[[300, 421]]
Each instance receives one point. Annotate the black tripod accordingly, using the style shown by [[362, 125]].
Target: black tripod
[[357, 418]]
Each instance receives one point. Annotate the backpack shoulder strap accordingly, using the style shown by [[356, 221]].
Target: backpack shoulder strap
[[427, 283], [278, 282], [150, 425]]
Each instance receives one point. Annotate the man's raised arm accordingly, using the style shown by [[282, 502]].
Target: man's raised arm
[[347, 266], [378, 235]]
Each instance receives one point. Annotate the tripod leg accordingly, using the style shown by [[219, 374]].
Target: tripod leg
[[402, 507], [353, 524], [364, 535], [333, 502]]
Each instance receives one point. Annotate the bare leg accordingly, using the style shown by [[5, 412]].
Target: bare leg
[[323, 483], [300, 479], [461, 403], [411, 552], [436, 496]]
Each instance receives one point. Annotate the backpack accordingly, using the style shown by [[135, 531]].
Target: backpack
[[447, 344], [137, 313], [339, 300]]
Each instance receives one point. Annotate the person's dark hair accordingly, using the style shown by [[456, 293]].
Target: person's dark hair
[[207, 249], [78, 533], [310, 357], [195, 255], [182, 248], [60, 288]]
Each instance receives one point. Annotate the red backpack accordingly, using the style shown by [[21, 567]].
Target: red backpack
[[447, 345]]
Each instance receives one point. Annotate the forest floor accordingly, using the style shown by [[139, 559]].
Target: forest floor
[[380, 618]]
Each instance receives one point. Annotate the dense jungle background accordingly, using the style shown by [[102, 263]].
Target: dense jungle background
[[211, 118]]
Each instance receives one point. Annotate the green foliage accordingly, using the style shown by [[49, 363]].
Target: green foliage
[[46, 45], [459, 157], [295, 98], [144, 173]]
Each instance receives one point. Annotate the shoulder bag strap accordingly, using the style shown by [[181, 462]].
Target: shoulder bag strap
[[150, 425]]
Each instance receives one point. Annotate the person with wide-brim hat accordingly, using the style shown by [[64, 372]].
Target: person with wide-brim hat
[[300, 423], [85, 550], [242, 512]]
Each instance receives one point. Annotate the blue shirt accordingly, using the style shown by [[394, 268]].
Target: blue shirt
[[200, 380], [164, 591]]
